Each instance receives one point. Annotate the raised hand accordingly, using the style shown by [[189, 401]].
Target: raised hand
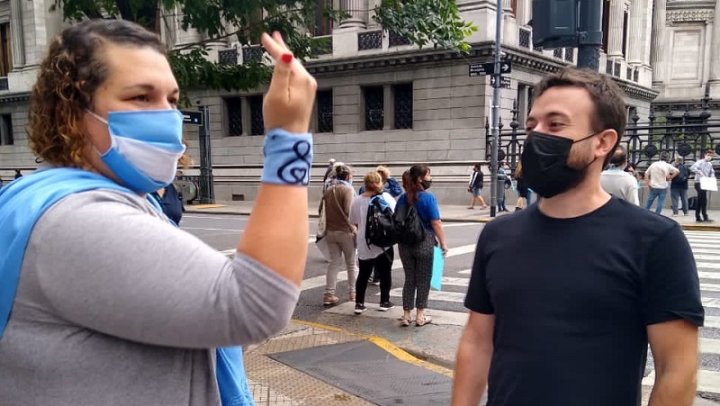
[[289, 101]]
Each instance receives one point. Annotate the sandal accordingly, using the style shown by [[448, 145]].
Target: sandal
[[425, 320], [403, 321]]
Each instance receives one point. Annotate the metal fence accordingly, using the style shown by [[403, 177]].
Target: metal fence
[[687, 136]]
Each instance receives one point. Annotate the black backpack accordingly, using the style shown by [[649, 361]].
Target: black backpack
[[379, 224], [408, 227]]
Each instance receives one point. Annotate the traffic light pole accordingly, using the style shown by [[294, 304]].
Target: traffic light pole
[[589, 33], [495, 113]]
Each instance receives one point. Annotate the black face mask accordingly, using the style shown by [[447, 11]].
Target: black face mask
[[544, 164], [426, 184]]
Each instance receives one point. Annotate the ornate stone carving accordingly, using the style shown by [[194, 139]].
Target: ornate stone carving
[[675, 17]]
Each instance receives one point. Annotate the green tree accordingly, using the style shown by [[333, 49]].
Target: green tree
[[424, 22]]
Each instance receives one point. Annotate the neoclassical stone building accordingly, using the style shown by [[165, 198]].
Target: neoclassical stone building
[[383, 100], [686, 54]]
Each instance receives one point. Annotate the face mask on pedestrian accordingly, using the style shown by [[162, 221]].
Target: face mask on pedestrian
[[544, 162], [426, 184], [145, 147]]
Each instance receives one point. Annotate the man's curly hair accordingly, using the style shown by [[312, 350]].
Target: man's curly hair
[[69, 75]]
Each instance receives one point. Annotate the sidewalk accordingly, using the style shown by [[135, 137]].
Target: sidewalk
[[449, 213], [399, 377]]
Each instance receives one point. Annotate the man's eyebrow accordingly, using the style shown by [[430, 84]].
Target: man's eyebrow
[[557, 114]]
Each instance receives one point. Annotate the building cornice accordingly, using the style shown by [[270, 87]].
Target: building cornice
[[481, 52], [675, 17], [14, 97]]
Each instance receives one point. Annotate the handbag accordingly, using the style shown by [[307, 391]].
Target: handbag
[[320, 240], [708, 183]]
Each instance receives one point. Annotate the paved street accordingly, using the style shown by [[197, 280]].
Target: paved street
[[437, 342]]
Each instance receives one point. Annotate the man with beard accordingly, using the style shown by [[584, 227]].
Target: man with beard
[[565, 295]]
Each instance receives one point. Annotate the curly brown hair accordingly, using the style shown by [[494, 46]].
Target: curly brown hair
[[69, 75]]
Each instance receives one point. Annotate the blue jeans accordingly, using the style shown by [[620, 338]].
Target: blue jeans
[[660, 194], [679, 194]]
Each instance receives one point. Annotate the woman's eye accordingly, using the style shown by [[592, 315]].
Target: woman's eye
[[141, 98]]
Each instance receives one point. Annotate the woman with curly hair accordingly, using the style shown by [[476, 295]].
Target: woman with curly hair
[[102, 300]]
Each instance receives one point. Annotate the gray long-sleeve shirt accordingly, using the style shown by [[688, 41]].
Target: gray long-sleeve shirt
[[117, 307]]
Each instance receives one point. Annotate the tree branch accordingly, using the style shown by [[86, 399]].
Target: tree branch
[[250, 27]]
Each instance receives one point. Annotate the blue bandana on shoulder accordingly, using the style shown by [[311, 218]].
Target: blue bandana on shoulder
[[25, 200]]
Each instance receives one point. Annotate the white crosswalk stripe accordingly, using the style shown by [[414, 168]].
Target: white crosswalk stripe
[[706, 249]]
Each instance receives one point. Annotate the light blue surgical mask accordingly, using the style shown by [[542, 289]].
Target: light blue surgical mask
[[145, 147]]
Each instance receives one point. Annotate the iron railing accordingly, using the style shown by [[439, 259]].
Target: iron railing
[[687, 136]]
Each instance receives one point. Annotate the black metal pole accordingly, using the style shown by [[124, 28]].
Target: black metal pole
[[589, 33], [207, 194], [495, 111]]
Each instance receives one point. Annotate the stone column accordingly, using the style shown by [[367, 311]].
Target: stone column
[[16, 31], [648, 32], [636, 36], [660, 45], [510, 25], [358, 10], [388, 108], [616, 28], [715, 47]]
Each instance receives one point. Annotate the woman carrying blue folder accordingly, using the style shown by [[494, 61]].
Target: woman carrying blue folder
[[102, 300]]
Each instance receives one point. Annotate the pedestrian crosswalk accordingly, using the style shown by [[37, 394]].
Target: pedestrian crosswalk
[[706, 249]]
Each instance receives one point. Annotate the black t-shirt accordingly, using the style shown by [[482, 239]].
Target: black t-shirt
[[572, 299]]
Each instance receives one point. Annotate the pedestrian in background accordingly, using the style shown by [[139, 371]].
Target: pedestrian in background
[[371, 257], [580, 278], [340, 234], [679, 188], [390, 184], [521, 187], [702, 168], [658, 175], [503, 182], [616, 181], [391, 187], [417, 260], [103, 301], [332, 176], [475, 187], [329, 170]]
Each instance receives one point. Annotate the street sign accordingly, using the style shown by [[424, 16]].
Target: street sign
[[476, 69], [504, 82], [505, 67], [192, 117], [481, 69]]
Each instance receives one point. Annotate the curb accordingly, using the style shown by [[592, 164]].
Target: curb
[[386, 346], [484, 220]]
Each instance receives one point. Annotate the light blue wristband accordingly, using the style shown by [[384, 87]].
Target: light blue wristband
[[288, 158]]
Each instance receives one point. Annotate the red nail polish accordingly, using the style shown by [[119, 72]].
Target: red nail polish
[[287, 58]]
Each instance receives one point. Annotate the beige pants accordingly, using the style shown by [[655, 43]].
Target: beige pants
[[340, 244]]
